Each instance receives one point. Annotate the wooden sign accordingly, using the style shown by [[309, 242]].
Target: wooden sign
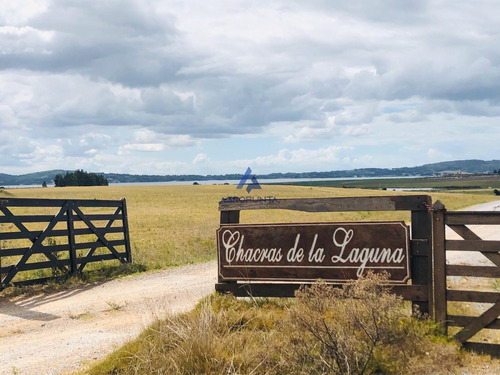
[[306, 252]]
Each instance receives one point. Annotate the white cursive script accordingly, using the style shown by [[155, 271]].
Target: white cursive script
[[235, 252], [342, 237]]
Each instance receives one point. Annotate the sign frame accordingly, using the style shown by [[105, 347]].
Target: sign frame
[[296, 252]]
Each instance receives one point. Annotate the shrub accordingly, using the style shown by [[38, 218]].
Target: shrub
[[338, 330], [359, 329]]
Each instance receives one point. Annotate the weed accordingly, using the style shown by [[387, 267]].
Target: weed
[[114, 305], [84, 315]]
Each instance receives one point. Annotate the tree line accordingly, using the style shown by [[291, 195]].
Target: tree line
[[80, 178]]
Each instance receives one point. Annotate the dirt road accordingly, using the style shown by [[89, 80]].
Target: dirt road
[[486, 232], [59, 333]]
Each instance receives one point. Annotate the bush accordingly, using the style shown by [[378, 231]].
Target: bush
[[339, 330], [359, 329]]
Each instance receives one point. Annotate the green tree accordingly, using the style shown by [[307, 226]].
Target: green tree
[[80, 178], [59, 180]]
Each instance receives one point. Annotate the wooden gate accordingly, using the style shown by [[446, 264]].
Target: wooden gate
[[462, 290], [45, 238]]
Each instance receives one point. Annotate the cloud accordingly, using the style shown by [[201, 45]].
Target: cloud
[[11, 13], [142, 147], [145, 140], [299, 159], [101, 40], [96, 80], [201, 158]]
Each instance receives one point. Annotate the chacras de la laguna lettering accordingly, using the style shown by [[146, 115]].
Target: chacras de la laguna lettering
[[337, 253]]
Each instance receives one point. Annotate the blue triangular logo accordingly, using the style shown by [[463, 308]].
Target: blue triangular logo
[[254, 183]]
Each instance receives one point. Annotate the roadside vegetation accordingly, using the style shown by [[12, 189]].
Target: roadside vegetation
[[360, 329]]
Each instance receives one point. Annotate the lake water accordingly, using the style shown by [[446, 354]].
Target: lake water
[[228, 182]]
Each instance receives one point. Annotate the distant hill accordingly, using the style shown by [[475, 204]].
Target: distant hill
[[457, 166], [435, 169], [36, 178]]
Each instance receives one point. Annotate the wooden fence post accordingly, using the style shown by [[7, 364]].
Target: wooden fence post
[[0, 260], [439, 265], [229, 217], [126, 235], [421, 262]]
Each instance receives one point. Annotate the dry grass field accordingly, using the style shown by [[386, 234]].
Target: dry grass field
[[175, 225]]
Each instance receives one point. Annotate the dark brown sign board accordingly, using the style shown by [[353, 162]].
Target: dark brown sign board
[[334, 252]]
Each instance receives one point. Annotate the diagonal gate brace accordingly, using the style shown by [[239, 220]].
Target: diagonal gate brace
[[98, 233], [94, 248], [478, 323], [468, 234], [36, 241]]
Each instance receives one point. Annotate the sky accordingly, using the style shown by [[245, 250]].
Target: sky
[[214, 87]]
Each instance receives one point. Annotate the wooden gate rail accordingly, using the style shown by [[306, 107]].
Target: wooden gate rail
[[68, 213], [458, 222], [420, 292]]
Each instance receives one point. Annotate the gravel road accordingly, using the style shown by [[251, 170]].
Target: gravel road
[[62, 332]]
